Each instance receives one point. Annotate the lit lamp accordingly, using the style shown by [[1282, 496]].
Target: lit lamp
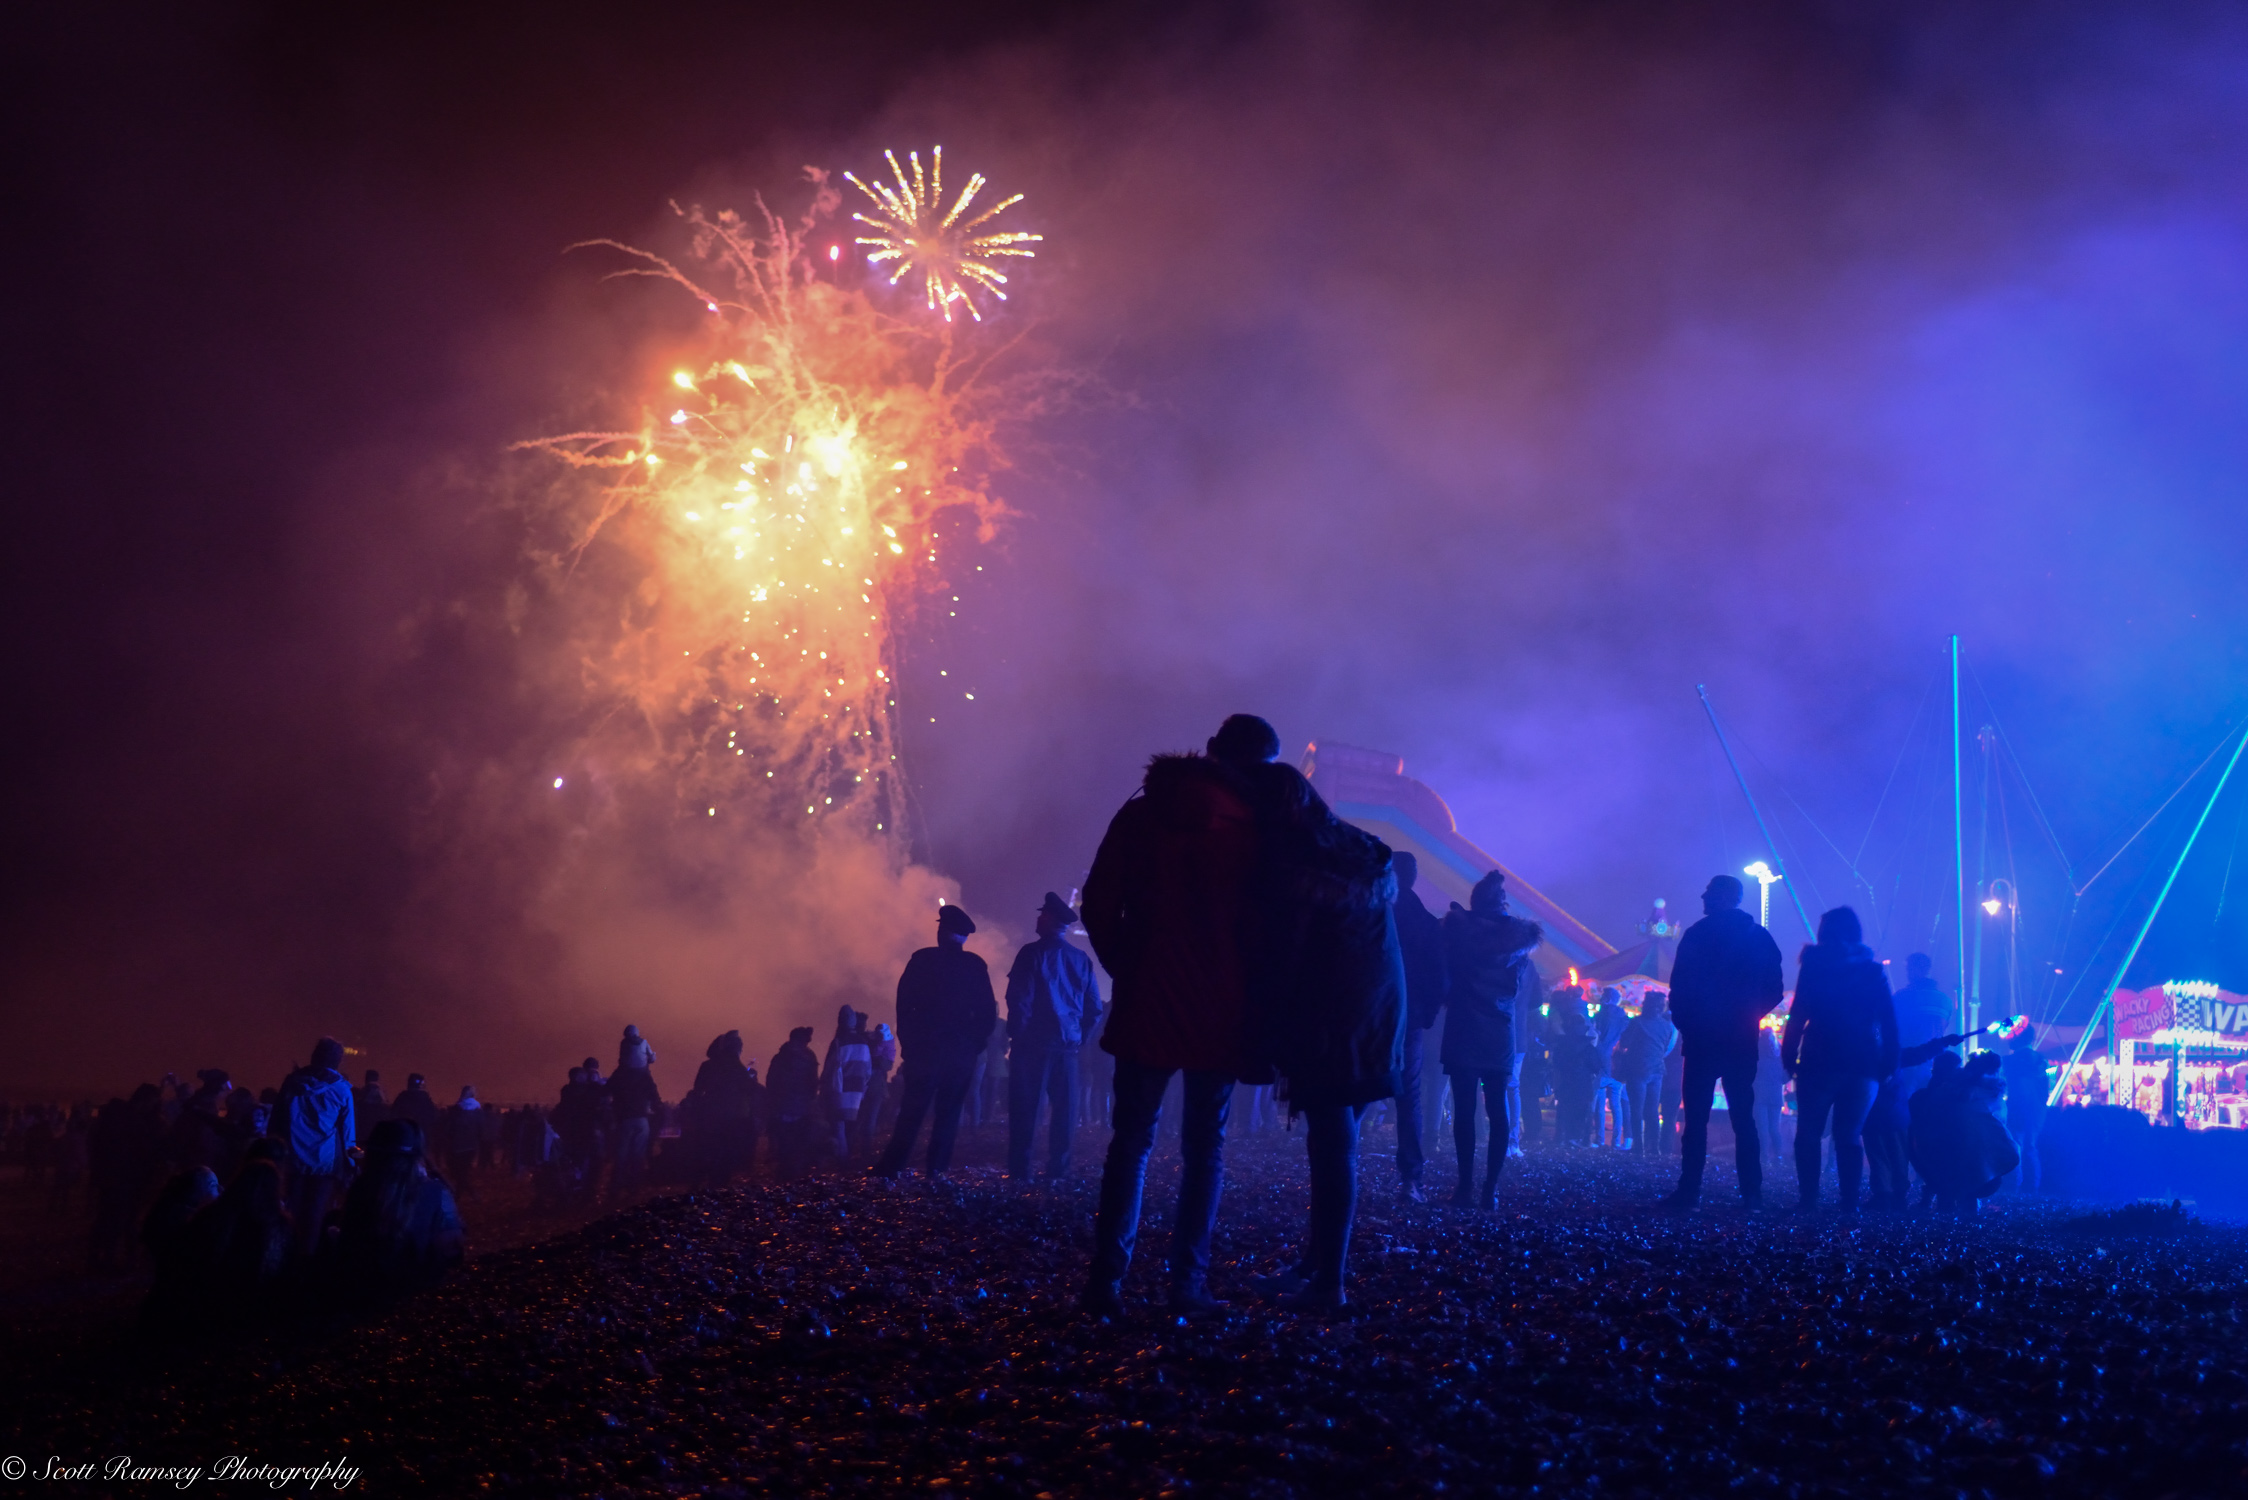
[[1765, 880]]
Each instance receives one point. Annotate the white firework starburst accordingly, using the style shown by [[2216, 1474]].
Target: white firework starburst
[[913, 228]]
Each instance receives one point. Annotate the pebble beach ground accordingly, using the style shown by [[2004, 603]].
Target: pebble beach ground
[[841, 1336]]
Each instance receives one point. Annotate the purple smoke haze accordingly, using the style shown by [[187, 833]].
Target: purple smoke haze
[[1473, 389]]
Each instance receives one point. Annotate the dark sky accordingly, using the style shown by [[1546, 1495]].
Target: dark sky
[[1480, 383]]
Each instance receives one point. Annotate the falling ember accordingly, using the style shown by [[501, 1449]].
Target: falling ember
[[739, 553], [913, 228]]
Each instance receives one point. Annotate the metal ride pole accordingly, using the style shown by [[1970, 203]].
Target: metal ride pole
[[1958, 834], [1758, 813], [2106, 1008]]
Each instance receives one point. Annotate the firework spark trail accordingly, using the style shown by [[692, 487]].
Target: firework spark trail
[[947, 253], [785, 501]]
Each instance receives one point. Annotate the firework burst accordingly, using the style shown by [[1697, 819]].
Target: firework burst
[[794, 491], [913, 229]]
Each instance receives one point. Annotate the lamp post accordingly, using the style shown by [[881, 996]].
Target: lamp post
[[2011, 904], [1765, 880]]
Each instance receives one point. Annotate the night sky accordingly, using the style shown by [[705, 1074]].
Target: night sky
[[1470, 386]]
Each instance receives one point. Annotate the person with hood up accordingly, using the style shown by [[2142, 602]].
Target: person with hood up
[[1486, 955], [633, 1103], [1053, 1005], [1573, 1046], [634, 1051], [1331, 1000], [843, 1077], [313, 1122], [719, 1115], [1840, 1042], [1420, 943], [946, 1014], [401, 1228], [792, 1097], [1646, 1044], [1170, 908]]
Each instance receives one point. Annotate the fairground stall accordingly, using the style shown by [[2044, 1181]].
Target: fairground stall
[[2180, 1057]]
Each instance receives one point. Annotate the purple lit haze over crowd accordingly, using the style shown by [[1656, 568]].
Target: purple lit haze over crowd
[[1465, 385]]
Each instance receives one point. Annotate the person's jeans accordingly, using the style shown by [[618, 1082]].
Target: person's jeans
[[632, 1155], [1888, 1168], [942, 1086], [1411, 1159], [2026, 1125], [1844, 1102], [1608, 1104], [1035, 1069], [1699, 1089], [1139, 1103], [1331, 1136], [1644, 1102], [1466, 1089]]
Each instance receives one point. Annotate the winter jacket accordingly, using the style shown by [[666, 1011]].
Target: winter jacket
[[416, 1105], [1843, 1023], [632, 1093], [1328, 983], [1647, 1040], [792, 1083], [1051, 996], [726, 1094], [1608, 1025], [1924, 1012], [945, 1008], [1420, 939], [1725, 979], [844, 1075], [1487, 963], [1170, 909], [312, 1118], [368, 1109]]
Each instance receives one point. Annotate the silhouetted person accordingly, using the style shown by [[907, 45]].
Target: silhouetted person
[[198, 1132], [237, 1246], [1611, 1119], [719, 1115], [1573, 1046], [1646, 1044], [792, 1098], [313, 1122], [368, 1106], [843, 1078], [176, 1296], [633, 1102], [1053, 1005], [577, 1122], [1420, 943], [415, 1107], [401, 1228], [1957, 1143], [1841, 1041], [634, 1052], [1924, 1012], [946, 1013], [1724, 981], [1169, 907], [2029, 1080], [1330, 1002], [1486, 955], [883, 1050], [464, 1140]]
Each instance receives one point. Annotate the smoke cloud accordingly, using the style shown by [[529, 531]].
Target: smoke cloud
[[1471, 386]]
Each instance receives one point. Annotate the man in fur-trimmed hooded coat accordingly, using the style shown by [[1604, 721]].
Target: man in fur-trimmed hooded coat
[[1169, 906]]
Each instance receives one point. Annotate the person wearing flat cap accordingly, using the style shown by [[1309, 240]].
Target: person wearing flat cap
[[946, 1011], [1052, 1007]]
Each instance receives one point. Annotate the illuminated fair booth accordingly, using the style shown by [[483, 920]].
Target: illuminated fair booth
[[2181, 1058]]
